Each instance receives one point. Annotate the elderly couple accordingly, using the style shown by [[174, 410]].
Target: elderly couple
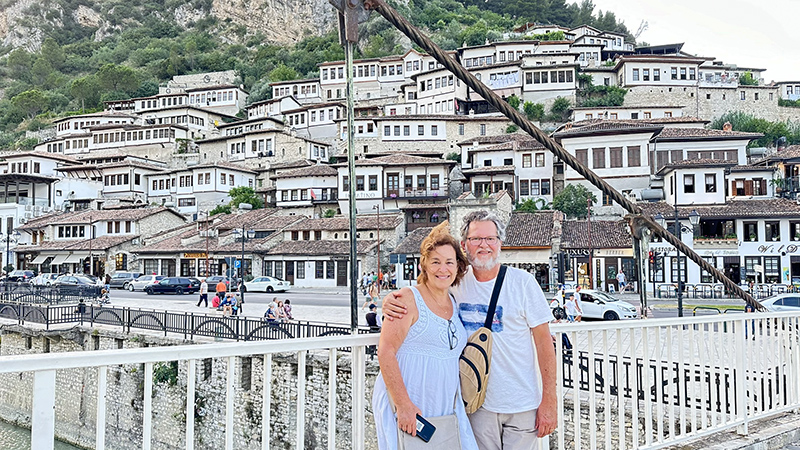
[[428, 328]]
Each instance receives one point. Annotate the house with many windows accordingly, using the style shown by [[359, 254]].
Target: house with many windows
[[124, 180], [309, 190]]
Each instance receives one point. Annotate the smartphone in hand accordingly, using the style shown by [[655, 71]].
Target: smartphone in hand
[[425, 429]]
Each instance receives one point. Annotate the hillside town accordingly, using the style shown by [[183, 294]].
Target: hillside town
[[132, 188]]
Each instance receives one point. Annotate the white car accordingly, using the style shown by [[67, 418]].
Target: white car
[[600, 305], [45, 279], [266, 284], [782, 302], [143, 281]]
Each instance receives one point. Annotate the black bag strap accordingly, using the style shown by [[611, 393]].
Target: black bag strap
[[498, 284]]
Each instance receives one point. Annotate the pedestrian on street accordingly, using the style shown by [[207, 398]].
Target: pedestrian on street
[[203, 293], [221, 288]]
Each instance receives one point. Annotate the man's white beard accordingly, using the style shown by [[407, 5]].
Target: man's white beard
[[483, 263]]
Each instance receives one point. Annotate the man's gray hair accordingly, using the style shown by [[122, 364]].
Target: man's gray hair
[[483, 216]]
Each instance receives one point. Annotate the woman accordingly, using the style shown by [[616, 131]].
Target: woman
[[287, 309], [280, 313], [419, 353]]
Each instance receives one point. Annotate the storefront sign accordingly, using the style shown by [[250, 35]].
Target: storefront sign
[[791, 248], [577, 251], [610, 253], [194, 255]]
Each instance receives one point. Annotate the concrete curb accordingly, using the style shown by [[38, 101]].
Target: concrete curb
[[766, 434]]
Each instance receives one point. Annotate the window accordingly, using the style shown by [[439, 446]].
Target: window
[[759, 186], [434, 182], [683, 73], [539, 160], [674, 73], [222, 178], [523, 187], [635, 74], [598, 158], [461, 129], [545, 187], [607, 200], [318, 269], [582, 155], [373, 182], [526, 160], [300, 272], [387, 130], [360, 183], [675, 270], [645, 74], [772, 231], [751, 231], [434, 130], [688, 183], [420, 130], [329, 269], [711, 182], [656, 75], [615, 156], [421, 182], [742, 95], [483, 129]]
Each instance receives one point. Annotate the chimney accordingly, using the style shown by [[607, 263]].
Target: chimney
[[727, 127]]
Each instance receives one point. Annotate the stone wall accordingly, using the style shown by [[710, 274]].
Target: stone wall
[[76, 395]]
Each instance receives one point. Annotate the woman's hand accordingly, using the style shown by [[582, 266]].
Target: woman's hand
[[407, 418], [392, 307]]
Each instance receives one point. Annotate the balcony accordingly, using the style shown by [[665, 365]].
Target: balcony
[[715, 242]]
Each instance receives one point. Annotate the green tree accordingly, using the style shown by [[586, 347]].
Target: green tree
[[747, 80], [30, 103], [453, 156], [573, 201], [41, 73], [531, 205], [513, 101], [282, 73], [329, 213], [534, 111], [53, 53], [220, 209], [559, 110], [19, 64], [85, 90], [244, 194], [112, 77]]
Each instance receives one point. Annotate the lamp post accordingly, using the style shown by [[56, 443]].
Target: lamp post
[[9, 237], [378, 227], [249, 234]]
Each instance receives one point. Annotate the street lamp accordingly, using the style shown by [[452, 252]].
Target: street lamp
[[380, 276], [9, 237], [249, 234], [694, 218]]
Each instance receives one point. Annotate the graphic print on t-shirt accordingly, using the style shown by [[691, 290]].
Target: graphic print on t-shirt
[[473, 316]]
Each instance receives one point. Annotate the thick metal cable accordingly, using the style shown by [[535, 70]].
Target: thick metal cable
[[520, 120]]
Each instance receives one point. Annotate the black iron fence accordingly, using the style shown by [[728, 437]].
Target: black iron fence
[[13, 292], [240, 328]]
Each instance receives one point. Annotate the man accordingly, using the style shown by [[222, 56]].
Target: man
[[373, 319], [576, 297], [621, 280], [221, 288], [516, 411], [203, 293]]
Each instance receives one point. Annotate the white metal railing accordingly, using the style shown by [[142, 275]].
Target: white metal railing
[[45, 366], [627, 384], [656, 383]]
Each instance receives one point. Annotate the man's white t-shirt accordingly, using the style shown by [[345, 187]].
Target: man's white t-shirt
[[513, 385]]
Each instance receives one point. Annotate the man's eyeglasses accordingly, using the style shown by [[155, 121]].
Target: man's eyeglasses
[[491, 240], [453, 336]]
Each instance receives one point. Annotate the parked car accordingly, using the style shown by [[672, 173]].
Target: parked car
[[73, 280], [782, 302], [120, 280], [143, 281], [20, 275], [174, 285], [266, 284], [45, 279], [214, 280], [600, 305]]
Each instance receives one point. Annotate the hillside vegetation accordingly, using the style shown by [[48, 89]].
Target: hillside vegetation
[[141, 45]]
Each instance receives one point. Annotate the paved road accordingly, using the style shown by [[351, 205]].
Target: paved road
[[332, 305]]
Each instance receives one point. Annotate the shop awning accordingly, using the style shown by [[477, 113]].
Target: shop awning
[[59, 259], [41, 258], [75, 258]]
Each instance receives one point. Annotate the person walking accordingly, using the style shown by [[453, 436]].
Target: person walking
[[578, 303], [621, 280], [287, 309], [203, 293], [516, 411]]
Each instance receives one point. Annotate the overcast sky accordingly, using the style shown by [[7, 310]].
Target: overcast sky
[[762, 34]]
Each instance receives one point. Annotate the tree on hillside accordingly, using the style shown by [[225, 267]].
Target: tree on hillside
[[53, 53], [85, 90], [282, 73], [30, 103], [572, 201], [531, 205], [534, 111], [559, 110], [112, 77], [19, 64]]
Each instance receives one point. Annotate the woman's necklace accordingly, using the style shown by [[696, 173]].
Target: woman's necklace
[[440, 304]]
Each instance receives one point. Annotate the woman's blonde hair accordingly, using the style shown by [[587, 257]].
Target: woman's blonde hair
[[438, 237]]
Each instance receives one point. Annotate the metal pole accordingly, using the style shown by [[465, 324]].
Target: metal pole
[[241, 266], [589, 231], [91, 240], [206, 244], [678, 234], [380, 274], [351, 170]]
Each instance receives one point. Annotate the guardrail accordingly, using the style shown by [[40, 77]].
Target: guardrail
[[705, 290], [18, 292], [239, 328], [657, 383]]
